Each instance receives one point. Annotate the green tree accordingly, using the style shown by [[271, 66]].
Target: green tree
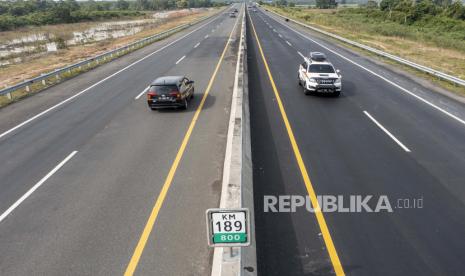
[[182, 4], [371, 4], [122, 5], [326, 4]]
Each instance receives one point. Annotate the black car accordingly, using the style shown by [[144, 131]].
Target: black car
[[170, 92]]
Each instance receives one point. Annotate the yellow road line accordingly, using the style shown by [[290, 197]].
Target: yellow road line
[[303, 170], [169, 179]]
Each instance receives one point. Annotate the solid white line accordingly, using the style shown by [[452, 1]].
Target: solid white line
[[288, 43], [179, 60], [142, 93], [300, 54], [99, 82], [379, 76], [387, 132], [36, 186], [197, 45]]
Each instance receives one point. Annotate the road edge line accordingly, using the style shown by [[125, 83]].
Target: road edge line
[[149, 225], [237, 183], [328, 241], [40, 114]]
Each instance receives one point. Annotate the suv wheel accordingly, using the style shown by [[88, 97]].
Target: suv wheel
[[306, 92]]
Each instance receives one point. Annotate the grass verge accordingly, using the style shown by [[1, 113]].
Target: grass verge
[[78, 53], [450, 60]]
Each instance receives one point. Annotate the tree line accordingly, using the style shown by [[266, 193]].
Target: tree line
[[14, 14], [403, 11]]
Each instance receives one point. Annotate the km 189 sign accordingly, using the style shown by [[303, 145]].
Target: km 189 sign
[[228, 227]]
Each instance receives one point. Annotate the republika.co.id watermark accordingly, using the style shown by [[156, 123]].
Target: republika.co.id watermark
[[339, 203]]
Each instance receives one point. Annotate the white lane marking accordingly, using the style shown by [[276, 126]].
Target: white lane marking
[[288, 43], [387, 132], [300, 54], [206, 36], [36, 186], [280, 35], [142, 93], [179, 60], [197, 45], [381, 77], [97, 83]]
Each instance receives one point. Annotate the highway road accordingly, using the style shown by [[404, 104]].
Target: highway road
[[386, 135], [92, 182], [95, 183]]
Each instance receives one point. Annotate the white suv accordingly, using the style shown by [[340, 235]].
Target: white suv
[[316, 74]]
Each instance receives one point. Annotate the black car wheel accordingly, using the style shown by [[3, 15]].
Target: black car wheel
[[184, 106]]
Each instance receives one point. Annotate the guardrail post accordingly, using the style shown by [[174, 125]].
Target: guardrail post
[[28, 89], [8, 95], [57, 76]]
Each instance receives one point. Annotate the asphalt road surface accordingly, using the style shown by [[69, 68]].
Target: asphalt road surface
[[80, 176], [386, 135]]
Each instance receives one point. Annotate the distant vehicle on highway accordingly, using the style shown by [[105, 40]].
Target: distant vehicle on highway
[[236, 10], [232, 15], [170, 92], [317, 74]]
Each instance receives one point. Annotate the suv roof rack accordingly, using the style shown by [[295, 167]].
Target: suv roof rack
[[317, 56]]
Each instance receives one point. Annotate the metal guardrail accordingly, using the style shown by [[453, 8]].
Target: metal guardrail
[[417, 66], [102, 57]]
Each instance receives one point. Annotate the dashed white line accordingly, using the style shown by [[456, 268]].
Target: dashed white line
[[288, 43], [280, 35], [142, 93], [300, 54], [97, 83], [197, 45], [387, 132], [379, 76], [179, 60], [36, 186], [206, 36]]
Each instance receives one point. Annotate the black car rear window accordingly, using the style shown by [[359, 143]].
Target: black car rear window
[[321, 68], [163, 89]]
